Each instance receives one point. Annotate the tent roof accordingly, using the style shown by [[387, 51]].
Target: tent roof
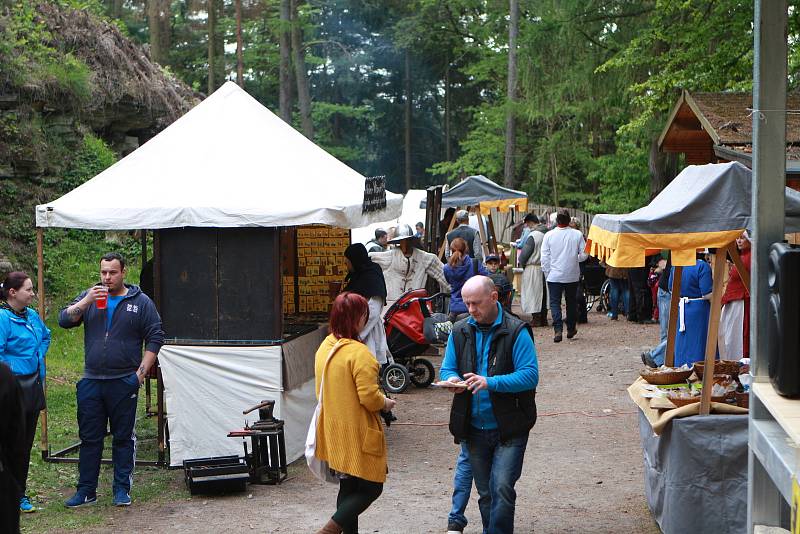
[[473, 190], [704, 206], [228, 162]]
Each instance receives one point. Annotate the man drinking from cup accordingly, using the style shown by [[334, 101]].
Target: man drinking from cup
[[118, 319]]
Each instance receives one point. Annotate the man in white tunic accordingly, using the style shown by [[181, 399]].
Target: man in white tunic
[[530, 258], [407, 267]]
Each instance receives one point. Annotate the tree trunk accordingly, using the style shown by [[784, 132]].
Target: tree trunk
[[407, 84], [448, 150], [212, 46], [285, 79], [303, 92], [158, 22], [511, 131], [663, 168], [115, 9], [239, 61]]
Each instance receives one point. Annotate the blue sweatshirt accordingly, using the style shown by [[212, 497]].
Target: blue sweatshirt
[[457, 277], [23, 342], [115, 351], [525, 376]]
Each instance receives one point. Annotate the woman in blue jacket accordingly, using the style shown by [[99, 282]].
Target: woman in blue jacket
[[457, 271], [24, 340]]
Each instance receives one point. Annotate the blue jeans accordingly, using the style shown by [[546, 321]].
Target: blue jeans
[[660, 350], [496, 467], [570, 291], [462, 486], [101, 402], [619, 288]]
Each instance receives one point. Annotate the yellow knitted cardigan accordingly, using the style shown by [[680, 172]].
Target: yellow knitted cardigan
[[349, 433]]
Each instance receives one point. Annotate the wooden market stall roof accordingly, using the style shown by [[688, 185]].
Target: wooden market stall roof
[[700, 123]]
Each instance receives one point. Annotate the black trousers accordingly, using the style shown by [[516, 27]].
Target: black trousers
[[355, 496], [641, 300], [31, 419]]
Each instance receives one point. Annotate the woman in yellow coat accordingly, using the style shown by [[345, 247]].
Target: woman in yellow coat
[[349, 431]]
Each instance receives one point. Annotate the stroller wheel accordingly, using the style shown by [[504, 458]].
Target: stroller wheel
[[395, 378], [422, 373]]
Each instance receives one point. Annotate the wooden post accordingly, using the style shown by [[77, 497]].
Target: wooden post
[[669, 357], [713, 330], [444, 237], [744, 274], [492, 234], [482, 231], [42, 310]]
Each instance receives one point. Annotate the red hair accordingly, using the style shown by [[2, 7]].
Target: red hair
[[458, 249], [346, 313]]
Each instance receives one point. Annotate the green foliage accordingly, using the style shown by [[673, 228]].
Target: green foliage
[[623, 180], [29, 57], [93, 157]]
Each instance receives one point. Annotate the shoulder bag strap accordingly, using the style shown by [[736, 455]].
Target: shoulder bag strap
[[325, 367]]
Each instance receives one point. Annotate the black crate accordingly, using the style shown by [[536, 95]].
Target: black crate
[[220, 474]]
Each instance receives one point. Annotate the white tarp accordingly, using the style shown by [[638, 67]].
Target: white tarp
[[228, 162], [411, 215], [207, 388]]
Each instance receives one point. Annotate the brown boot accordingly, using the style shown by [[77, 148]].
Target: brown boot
[[331, 527], [543, 319]]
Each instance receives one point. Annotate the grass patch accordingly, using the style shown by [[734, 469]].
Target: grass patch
[[71, 264]]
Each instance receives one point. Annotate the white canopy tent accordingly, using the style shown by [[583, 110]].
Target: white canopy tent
[[228, 162], [411, 215]]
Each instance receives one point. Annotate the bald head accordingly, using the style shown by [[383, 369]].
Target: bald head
[[480, 297]]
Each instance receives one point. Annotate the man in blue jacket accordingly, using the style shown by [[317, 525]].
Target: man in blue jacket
[[113, 371], [491, 361]]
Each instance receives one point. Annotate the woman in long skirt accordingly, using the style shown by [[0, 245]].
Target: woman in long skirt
[[693, 313], [734, 323]]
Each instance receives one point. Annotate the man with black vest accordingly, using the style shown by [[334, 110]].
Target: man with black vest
[[468, 234], [491, 361]]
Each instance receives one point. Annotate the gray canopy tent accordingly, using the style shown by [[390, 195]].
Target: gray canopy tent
[[480, 194], [705, 206]]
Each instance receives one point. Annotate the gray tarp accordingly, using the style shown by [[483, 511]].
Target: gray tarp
[[702, 198], [473, 190], [695, 473]]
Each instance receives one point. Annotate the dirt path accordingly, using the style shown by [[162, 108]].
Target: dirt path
[[582, 472]]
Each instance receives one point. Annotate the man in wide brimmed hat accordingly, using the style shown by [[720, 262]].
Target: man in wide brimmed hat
[[406, 267]]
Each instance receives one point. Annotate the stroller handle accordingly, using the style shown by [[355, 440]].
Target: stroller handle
[[422, 301]]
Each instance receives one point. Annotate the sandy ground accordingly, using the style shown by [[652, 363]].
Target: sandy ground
[[582, 471]]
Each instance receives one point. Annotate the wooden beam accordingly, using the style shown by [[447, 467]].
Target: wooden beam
[[669, 356], [744, 274], [492, 234], [713, 331], [42, 310], [482, 232], [444, 237]]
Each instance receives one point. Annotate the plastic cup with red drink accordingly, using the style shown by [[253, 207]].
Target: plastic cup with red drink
[[101, 302]]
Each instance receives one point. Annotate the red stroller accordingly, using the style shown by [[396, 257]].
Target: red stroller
[[411, 327]]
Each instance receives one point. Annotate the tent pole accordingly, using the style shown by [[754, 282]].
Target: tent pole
[[444, 237], [492, 234], [669, 357], [482, 232], [42, 309], [744, 274], [713, 331]]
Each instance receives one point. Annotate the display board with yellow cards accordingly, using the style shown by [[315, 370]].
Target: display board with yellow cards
[[319, 261]]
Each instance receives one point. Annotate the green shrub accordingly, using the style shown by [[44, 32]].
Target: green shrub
[[93, 158]]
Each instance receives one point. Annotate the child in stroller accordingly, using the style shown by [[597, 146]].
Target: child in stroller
[[411, 327]]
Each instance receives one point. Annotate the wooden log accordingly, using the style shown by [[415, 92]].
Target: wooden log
[[713, 331], [482, 232], [492, 234], [669, 357]]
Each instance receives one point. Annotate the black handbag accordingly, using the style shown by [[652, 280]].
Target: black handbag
[[32, 392]]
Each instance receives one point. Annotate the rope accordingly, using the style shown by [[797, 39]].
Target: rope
[[551, 414]]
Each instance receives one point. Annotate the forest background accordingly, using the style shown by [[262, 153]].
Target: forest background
[[561, 98]]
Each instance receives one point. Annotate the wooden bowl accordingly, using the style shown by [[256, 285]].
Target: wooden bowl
[[681, 401], [721, 367], [662, 379]]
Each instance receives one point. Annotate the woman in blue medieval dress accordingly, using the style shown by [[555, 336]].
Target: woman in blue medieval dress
[[693, 312]]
